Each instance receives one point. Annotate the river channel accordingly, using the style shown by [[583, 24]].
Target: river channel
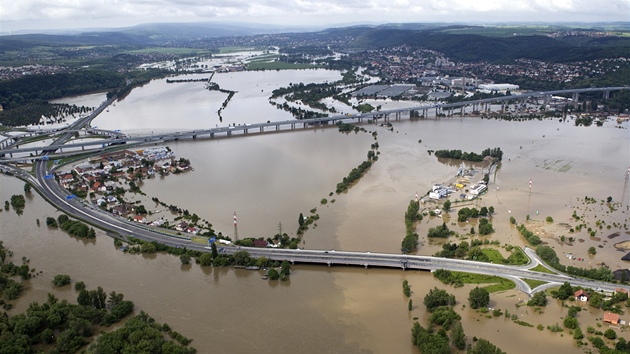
[[270, 178]]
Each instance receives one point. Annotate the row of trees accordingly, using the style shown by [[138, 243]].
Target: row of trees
[[73, 227], [470, 156], [299, 113], [548, 255], [528, 235], [474, 252], [213, 258], [466, 213], [353, 176], [410, 241]]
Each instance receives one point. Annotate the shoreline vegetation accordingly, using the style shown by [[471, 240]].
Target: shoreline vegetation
[[61, 326]]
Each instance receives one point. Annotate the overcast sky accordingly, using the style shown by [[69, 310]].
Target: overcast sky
[[16, 15]]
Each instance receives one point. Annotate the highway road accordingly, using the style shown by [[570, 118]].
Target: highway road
[[81, 209], [56, 195], [267, 126]]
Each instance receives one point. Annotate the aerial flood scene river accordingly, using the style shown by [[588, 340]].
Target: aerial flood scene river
[[550, 170]]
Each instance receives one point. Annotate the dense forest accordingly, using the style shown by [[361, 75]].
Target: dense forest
[[25, 100]]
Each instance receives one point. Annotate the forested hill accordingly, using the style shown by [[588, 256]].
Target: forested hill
[[475, 48]]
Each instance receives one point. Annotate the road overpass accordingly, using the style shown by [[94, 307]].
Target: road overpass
[[80, 209], [99, 145]]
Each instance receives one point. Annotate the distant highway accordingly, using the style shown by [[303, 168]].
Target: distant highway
[[98, 145]]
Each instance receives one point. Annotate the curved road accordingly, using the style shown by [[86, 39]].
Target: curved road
[[57, 196]]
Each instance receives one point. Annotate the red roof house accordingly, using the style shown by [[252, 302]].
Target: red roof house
[[581, 295], [611, 318], [260, 243]]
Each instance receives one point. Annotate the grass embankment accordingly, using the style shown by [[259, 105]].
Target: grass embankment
[[534, 283], [458, 279], [200, 240], [542, 269], [494, 255]]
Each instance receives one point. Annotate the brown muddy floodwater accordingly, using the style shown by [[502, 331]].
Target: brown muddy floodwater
[[269, 179]]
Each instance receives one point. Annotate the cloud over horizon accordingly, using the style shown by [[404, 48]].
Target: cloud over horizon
[[67, 14]]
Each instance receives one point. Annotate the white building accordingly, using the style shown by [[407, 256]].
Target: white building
[[478, 189], [498, 87]]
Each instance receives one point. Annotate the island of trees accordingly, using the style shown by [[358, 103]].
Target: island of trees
[[495, 153]]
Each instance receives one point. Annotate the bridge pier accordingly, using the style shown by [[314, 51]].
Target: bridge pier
[[262, 129], [292, 125], [211, 135], [277, 127], [366, 265], [229, 133], [606, 95], [576, 98], [245, 130], [329, 263]]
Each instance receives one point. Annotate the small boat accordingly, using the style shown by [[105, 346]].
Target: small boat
[[252, 268]]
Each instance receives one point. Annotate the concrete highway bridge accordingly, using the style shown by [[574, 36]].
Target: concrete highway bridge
[[427, 263], [83, 210], [7, 151]]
